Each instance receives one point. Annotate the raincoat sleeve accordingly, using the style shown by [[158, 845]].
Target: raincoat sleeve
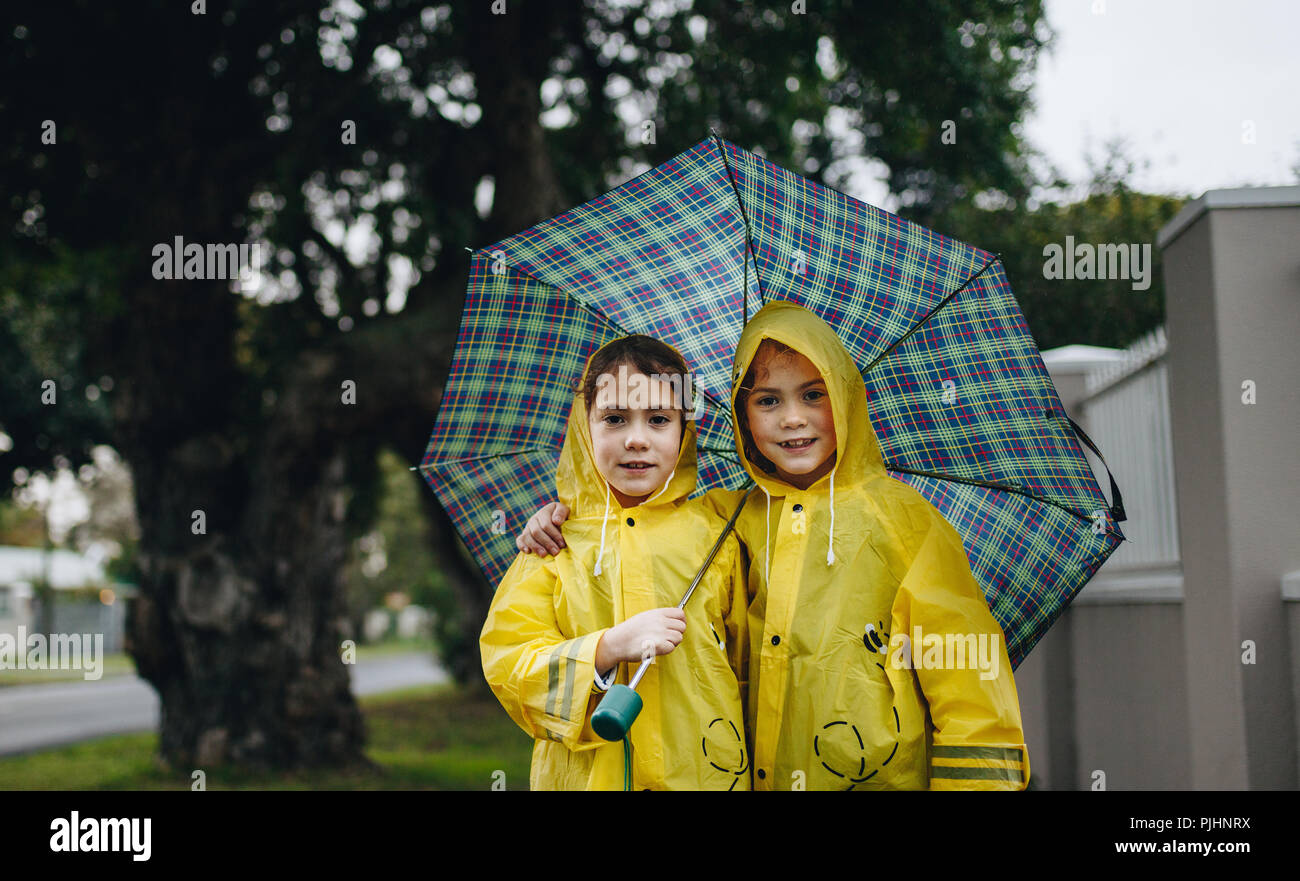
[[544, 678], [978, 739]]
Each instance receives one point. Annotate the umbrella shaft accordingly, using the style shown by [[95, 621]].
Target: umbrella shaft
[[645, 664], [640, 671]]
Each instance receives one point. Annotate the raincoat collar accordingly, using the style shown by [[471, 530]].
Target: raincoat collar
[[582, 488]]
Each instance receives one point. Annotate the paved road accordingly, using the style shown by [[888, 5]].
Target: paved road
[[35, 717]]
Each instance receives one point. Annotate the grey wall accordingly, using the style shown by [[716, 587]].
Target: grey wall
[[1233, 305]]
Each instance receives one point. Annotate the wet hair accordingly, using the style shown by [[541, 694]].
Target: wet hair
[[641, 354], [773, 348]]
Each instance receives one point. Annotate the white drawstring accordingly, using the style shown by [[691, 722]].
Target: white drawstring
[[665, 487], [767, 537], [603, 524], [830, 544]]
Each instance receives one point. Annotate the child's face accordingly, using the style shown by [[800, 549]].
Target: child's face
[[790, 420], [636, 445]]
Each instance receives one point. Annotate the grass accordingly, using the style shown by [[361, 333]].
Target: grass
[[430, 737], [120, 664]]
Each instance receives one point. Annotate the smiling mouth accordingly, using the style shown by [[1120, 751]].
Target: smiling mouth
[[800, 444], [636, 466]]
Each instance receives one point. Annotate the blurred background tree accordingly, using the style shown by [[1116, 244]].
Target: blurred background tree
[[364, 147], [1098, 312]]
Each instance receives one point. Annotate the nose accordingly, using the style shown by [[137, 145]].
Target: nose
[[636, 438], [792, 417]]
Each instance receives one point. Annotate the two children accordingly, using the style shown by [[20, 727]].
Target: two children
[[854, 581], [562, 630]]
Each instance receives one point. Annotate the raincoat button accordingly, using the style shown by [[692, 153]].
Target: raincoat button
[[776, 640], [762, 775], [631, 522], [797, 508]]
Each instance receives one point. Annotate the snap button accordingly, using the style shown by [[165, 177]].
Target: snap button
[[631, 522], [762, 775], [797, 508], [776, 640]]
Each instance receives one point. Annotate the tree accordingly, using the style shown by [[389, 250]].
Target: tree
[[363, 148], [1099, 312]]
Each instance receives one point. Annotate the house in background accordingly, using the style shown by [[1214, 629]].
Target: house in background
[[21, 569]]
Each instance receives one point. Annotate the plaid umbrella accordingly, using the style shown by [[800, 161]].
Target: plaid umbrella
[[961, 403]]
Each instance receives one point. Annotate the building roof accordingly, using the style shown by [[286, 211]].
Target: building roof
[[1242, 197], [1080, 359]]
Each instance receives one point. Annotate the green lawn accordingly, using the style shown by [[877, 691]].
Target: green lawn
[[113, 665], [431, 737]]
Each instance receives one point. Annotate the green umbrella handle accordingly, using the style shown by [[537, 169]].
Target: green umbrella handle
[[617, 711]]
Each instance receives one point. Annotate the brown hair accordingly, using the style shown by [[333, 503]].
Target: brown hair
[[642, 354], [774, 348]]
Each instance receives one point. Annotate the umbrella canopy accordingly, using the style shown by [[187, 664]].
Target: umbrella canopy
[[962, 406]]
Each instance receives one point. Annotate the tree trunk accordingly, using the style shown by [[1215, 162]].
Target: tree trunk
[[239, 627], [238, 623]]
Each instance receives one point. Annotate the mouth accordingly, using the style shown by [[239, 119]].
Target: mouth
[[801, 443], [636, 467]]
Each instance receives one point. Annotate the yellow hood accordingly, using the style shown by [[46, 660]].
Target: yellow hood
[[857, 456], [580, 486]]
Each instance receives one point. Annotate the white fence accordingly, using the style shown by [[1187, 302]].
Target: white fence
[[1127, 415]]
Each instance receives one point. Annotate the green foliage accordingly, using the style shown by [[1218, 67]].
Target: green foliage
[[227, 127], [20, 527], [398, 536], [1061, 312]]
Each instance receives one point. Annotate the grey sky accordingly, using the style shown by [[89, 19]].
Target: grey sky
[[1178, 79]]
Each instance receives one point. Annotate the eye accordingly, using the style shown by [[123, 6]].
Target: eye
[[814, 395], [659, 419], [612, 419], [766, 401]]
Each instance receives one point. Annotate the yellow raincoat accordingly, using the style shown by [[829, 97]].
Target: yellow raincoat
[[539, 641], [838, 573]]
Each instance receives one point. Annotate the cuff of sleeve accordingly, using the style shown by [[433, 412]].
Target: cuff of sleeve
[[571, 674], [606, 683], [979, 767]]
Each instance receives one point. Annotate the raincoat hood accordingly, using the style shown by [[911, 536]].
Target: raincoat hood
[[858, 455], [581, 486]]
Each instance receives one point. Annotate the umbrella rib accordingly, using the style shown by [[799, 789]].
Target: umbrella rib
[[749, 243], [599, 315], [1006, 487], [944, 302], [500, 455]]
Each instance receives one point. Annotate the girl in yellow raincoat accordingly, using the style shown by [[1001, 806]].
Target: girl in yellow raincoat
[[562, 630], [875, 662]]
